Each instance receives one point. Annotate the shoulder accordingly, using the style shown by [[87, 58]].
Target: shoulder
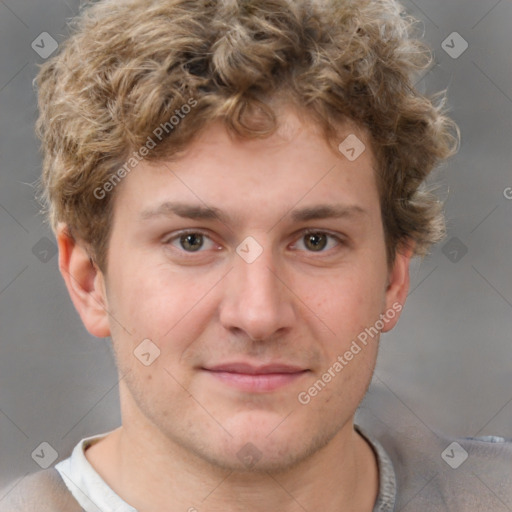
[[435, 472], [44, 491]]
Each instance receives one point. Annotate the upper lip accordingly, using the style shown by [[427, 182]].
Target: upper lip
[[254, 369]]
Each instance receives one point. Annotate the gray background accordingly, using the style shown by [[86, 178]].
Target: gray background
[[446, 367]]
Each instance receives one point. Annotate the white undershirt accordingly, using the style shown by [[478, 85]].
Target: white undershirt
[[87, 487]]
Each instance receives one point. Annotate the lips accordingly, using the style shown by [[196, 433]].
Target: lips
[[255, 378], [248, 369]]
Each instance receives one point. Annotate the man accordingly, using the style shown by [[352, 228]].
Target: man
[[235, 187]]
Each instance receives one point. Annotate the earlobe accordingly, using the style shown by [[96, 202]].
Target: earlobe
[[398, 287], [85, 283]]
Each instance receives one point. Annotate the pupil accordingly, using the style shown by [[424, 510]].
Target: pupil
[[314, 239], [190, 239]]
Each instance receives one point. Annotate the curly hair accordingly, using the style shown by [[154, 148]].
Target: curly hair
[[128, 66]]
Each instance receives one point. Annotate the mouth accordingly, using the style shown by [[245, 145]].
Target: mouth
[[255, 378]]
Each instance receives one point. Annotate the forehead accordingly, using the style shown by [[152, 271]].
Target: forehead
[[296, 132], [296, 164]]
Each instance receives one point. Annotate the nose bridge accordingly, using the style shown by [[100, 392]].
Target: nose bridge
[[259, 277], [257, 301]]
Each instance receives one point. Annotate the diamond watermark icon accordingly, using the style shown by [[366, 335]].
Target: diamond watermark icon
[[146, 352], [454, 250], [249, 455], [249, 250], [44, 45], [454, 455], [454, 45], [45, 455], [44, 250], [352, 147]]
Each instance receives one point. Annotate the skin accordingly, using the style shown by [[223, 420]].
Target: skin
[[298, 303]]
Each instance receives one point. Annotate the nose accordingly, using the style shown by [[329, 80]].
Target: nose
[[257, 300]]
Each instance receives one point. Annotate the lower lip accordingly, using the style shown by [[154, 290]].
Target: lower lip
[[255, 383]]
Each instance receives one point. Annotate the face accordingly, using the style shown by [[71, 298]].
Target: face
[[253, 267]]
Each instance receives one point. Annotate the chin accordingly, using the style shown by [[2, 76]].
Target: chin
[[262, 447], [253, 458]]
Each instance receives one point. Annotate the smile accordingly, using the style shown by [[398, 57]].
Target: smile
[[254, 379]]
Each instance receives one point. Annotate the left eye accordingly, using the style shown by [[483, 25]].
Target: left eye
[[317, 241]]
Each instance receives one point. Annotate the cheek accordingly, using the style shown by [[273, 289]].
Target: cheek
[[153, 301], [350, 303]]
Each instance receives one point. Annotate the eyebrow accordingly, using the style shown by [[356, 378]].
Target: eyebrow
[[196, 212]]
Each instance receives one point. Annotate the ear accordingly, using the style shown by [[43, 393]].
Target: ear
[[398, 286], [85, 283]]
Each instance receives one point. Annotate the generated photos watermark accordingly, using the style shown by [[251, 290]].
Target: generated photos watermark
[[304, 397], [137, 156]]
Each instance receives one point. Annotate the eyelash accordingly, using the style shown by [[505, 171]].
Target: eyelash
[[303, 233]]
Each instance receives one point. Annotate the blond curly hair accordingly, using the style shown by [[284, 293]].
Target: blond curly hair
[[130, 65]]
